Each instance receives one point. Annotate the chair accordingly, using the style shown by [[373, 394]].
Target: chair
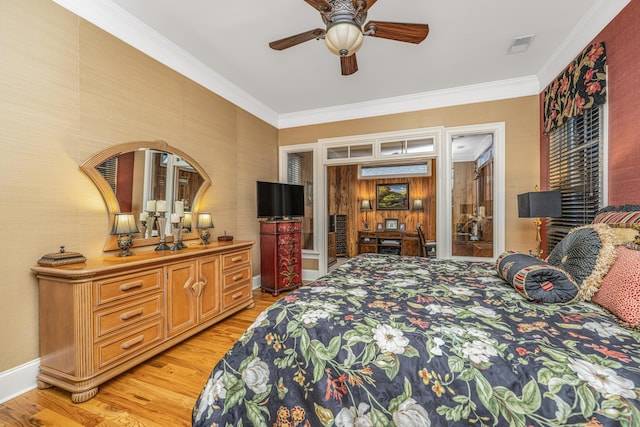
[[425, 247]]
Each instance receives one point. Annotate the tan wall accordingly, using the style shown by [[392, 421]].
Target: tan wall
[[521, 117], [69, 90]]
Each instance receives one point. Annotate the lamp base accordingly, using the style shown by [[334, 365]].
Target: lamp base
[[125, 252], [205, 236], [538, 223], [125, 242]]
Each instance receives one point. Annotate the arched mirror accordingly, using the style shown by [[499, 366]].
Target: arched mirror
[[132, 173]]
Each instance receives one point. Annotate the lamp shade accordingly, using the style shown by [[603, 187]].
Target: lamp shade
[[344, 38], [188, 218], [417, 205], [365, 205], [540, 204], [124, 223], [204, 221]]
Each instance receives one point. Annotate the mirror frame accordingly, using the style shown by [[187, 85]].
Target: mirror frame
[[89, 167]]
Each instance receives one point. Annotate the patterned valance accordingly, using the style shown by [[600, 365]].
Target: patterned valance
[[582, 85]]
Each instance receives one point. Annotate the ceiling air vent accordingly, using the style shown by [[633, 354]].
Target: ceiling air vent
[[520, 44]]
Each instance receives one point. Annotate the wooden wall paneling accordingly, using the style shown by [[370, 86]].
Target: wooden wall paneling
[[345, 193]]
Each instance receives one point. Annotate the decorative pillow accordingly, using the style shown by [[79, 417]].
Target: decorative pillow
[[622, 235], [619, 292], [586, 253], [618, 219], [535, 279]]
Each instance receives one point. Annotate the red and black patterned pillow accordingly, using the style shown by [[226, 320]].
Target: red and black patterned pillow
[[535, 279], [586, 253]]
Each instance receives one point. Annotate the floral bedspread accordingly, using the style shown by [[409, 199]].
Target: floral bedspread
[[388, 340]]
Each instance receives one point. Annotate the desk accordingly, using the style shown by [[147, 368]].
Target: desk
[[477, 248], [389, 242]]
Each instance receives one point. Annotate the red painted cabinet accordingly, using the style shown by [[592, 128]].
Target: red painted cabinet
[[280, 255]]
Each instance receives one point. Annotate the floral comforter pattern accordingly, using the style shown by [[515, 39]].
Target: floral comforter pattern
[[388, 340]]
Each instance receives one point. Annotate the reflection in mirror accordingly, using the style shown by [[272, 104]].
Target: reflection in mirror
[[130, 175], [472, 195]]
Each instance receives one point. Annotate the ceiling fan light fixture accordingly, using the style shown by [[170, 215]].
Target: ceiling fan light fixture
[[344, 38]]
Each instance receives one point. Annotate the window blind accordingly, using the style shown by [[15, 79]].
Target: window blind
[[109, 170], [294, 169], [575, 168]]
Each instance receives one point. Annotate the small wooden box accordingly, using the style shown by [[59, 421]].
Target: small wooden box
[[61, 258]]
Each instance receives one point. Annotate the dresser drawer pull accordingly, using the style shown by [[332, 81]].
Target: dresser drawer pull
[[129, 315], [236, 259], [130, 286], [238, 277], [236, 295], [129, 344]]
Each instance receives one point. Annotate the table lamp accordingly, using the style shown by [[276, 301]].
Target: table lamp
[[365, 207], [540, 204], [204, 223], [124, 225], [418, 207]]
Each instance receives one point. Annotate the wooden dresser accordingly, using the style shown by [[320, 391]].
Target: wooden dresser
[[102, 317]]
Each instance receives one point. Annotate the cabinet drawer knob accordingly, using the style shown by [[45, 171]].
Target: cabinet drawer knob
[[236, 259], [129, 315], [236, 295], [130, 286], [127, 345], [237, 277]]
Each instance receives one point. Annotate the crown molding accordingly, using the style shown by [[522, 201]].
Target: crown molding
[[119, 23], [492, 91], [594, 21]]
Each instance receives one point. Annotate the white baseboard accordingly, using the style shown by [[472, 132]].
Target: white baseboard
[[18, 380], [310, 275]]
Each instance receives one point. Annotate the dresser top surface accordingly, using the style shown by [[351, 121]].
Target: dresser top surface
[[141, 259]]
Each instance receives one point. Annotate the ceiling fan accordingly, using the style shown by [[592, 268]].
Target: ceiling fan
[[345, 30]]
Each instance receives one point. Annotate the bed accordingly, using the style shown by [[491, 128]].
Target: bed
[[390, 340]]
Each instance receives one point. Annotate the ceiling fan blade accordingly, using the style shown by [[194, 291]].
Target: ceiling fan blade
[[290, 41], [366, 4], [349, 64], [410, 33], [320, 5]]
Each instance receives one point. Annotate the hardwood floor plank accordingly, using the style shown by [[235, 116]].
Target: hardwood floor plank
[[159, 392]]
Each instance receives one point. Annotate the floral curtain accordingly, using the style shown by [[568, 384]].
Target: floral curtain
[[582, 85]]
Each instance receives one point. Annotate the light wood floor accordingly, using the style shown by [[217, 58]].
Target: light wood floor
[[160, 392]]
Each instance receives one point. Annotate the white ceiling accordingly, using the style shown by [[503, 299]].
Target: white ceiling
[[224, 46]]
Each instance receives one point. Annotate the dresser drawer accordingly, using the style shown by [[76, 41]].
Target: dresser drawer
[[235, 259], [231, 298], [115, 289], [111, 319], [237, 277], [289, 227], [127, 344]]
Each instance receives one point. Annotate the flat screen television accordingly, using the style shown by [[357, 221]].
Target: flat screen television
[[277, 200]]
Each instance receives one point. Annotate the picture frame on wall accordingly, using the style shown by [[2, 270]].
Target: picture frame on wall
[[392, 196], [391, 224], [380, 227], [403, 226]]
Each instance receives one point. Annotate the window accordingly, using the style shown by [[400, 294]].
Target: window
[[109, 170], [294, 169], [300, 171], [394, 171], [576, 169]]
